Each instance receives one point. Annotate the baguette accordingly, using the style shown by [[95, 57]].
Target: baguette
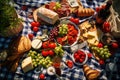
[[82, 12]]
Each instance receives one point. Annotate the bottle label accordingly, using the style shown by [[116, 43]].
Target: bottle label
[[73, 3]]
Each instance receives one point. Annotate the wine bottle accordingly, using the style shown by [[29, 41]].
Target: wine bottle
[[104, 13]]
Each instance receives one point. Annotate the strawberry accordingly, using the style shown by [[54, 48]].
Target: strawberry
[[100, 45], [81, 60], [77, 58], [42, 76], [115, 45], [75, 54], [69, 63]]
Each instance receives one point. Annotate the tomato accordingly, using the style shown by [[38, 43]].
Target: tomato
[[76, 20], [106, 24], [35, 24], [52, 45], [72, 19], [42, 76], [30, 36], [100, 45], [51, 53], [89, 55], [69, 63], [106, 27], [45, 53], [35, 29], [45, 44]]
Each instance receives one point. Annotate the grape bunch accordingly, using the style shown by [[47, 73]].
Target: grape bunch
[[38, 59], [53, 33], [58, 50], [63, 29], [101, 52]]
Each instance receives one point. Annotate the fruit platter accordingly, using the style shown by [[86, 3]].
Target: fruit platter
[[60, 40], [79, 57], [67, 33]]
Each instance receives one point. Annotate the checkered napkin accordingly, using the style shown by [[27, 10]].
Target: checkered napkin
[[25, 15]]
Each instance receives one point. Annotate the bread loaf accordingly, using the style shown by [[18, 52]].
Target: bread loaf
[[47, 15], [20, 45], [90, 73], [82, 12]]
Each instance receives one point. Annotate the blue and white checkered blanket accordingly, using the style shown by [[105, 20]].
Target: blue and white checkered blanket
[[76, 73]]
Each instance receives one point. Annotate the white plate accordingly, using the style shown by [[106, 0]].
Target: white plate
[[65, 20]]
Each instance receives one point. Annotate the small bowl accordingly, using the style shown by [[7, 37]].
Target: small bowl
[[86, 58]]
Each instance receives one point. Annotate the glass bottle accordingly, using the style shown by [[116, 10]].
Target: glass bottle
[[104, 13]]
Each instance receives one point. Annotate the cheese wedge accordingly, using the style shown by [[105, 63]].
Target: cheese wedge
[[27, 64]]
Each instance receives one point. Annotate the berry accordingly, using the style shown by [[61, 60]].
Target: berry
[[42, 76], [115, 45]]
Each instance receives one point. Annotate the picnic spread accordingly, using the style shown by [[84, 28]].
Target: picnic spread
[[59, 40]]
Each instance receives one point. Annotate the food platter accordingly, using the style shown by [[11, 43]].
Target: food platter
[[65, 20]]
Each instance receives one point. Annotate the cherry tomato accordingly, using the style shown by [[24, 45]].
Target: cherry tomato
[[42, 76], [35, 29], [45, 44], [51, 53], [45, 53], [106, 27], [52, 45], [35, 24], [76, 20], [106, 24], [30, 36], [69, 63], [72, 19]]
